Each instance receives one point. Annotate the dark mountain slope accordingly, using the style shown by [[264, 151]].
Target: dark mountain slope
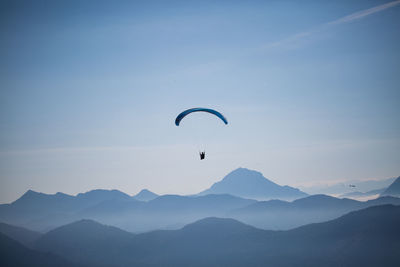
[[368, 237], [22, 235], [14, 254], [86, 241]]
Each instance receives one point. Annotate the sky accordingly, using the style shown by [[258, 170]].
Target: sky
[[89, 91]]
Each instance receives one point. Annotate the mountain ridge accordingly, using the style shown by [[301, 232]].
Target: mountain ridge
[[223, 241], [393, 189], [284, 215]]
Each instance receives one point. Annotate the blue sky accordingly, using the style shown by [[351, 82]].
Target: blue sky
[[90, 90]]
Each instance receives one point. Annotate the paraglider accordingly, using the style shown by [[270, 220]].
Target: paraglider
[[191, 110]]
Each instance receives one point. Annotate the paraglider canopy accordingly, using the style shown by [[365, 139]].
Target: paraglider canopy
[[188, 111]]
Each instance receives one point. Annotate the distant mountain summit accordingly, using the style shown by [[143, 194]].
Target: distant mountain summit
[[145, 195], [393, 189], [247, 183], [100, 195]]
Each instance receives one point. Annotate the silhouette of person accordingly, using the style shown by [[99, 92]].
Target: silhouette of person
[[202, 155]]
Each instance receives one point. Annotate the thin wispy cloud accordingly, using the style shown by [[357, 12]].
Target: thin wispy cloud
[[363, 13], [294, 39]]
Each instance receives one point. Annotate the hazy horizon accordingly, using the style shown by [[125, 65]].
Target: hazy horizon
[[90, 91]]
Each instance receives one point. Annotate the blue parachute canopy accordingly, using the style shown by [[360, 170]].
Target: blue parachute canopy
[[186, 112]]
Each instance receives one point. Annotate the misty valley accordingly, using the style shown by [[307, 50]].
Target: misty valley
[[242, 220]]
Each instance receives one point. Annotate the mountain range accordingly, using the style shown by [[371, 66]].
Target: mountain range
[[173, 211], [282, 215], [39, 211], [144, 211], [342, 188], [147, 211], [110, 228], [42, 212], [368, 237]]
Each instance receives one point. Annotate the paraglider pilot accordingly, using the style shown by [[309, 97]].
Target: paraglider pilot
[[202, 155]]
